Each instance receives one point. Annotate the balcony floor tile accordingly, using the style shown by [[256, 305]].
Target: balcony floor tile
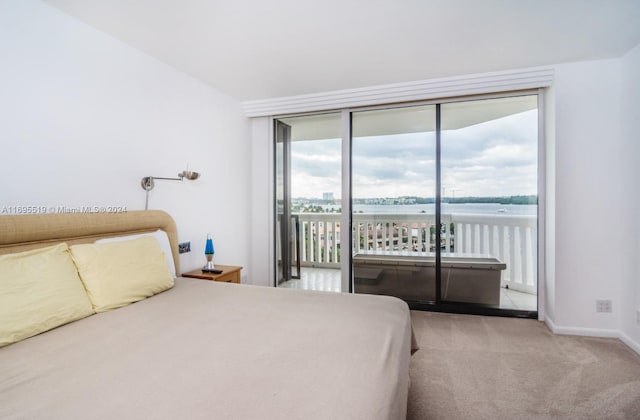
[[328, 280]]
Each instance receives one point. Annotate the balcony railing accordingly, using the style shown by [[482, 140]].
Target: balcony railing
[[511, 238]]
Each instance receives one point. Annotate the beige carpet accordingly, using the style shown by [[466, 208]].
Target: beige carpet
[[476, 367]]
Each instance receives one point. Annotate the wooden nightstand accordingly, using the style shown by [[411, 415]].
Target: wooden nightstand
[[230, 274]]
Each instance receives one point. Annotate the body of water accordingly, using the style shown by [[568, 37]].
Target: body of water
[[467, 208]]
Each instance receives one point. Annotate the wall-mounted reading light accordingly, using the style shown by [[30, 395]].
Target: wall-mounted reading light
[[147, 183]]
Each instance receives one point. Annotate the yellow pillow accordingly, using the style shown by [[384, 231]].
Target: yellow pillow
[[39, 290], [119, 273]]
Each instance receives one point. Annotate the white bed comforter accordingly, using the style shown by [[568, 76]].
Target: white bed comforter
[[206, 350]]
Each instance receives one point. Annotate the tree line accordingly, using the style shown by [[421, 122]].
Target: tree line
[[512, 199]]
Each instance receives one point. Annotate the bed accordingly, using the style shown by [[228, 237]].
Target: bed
[[205, 349]]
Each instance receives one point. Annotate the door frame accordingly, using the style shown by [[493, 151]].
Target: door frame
[[346, 219]]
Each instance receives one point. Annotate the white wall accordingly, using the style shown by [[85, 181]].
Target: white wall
[[262, 165], [631, 138], [596, 155], [589, 255], [549, 252], [83, 117]]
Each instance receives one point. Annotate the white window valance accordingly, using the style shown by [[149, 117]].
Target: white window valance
[[502, 81]]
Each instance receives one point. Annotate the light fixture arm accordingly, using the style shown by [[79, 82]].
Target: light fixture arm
[[147, 183]]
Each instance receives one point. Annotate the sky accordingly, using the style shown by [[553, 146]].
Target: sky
[[494, 158]]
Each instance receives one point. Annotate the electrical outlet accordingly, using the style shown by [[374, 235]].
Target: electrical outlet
[[184, 247], [604, 306], [638, 316]]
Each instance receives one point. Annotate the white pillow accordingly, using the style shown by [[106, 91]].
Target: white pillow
[[161, 237], [39, 290], [123, 272]]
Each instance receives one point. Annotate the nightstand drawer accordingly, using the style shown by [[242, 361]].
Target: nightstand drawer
[[233, 277]]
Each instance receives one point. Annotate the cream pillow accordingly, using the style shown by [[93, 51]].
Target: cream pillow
[[119, 273], [161, 237], [39, 290]]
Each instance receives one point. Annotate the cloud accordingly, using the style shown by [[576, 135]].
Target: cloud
[[316, 167], [497, 157], [317, 158], [395, 165]]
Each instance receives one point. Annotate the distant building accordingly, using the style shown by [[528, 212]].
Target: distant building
[[328, 197]]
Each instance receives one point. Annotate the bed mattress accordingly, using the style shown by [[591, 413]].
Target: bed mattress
[[217, 350]]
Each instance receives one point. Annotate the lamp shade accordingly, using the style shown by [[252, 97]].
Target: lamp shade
[[208, 248]]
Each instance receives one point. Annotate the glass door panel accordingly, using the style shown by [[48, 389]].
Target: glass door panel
[[393, 201], [312, 179], [282, 134], [489, 161]]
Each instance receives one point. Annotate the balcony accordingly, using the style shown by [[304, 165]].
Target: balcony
[[510, 238]]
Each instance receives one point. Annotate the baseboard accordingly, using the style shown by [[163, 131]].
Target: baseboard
[[594, 332], [630, 342], [588, 332]]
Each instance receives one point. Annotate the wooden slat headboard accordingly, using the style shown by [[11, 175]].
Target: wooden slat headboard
[[24, 232]]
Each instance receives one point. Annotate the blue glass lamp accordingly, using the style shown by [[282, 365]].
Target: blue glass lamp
[[208, 252]]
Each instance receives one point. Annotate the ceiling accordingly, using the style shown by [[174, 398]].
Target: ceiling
[[253, 49]]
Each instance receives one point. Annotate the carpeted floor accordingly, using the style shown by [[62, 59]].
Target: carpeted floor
[[476, 367]]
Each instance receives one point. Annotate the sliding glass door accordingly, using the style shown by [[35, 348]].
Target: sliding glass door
[[308, 201], [443, 199], [489, 163], [282, 153], [393, 189]]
